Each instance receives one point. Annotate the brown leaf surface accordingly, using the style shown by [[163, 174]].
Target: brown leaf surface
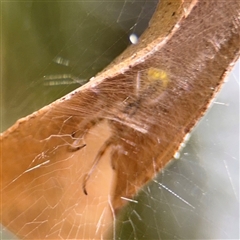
[[142, 106]]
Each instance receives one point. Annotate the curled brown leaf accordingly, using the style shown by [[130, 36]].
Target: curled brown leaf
[[149, 97]]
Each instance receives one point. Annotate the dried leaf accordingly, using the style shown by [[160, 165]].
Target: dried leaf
[[130, 120]]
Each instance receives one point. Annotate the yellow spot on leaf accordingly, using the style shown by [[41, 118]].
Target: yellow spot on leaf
[[155, 74]]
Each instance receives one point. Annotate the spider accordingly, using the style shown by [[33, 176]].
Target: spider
[[148, 92]]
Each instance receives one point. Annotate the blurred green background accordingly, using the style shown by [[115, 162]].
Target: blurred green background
[[50, 48]]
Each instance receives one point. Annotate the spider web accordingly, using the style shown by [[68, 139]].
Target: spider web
[[51, 48]]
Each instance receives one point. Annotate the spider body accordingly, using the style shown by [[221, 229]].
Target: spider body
[[130, 122]]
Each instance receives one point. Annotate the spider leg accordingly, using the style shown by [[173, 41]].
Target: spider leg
[[76, 148], [102, 150], [79, 135]]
